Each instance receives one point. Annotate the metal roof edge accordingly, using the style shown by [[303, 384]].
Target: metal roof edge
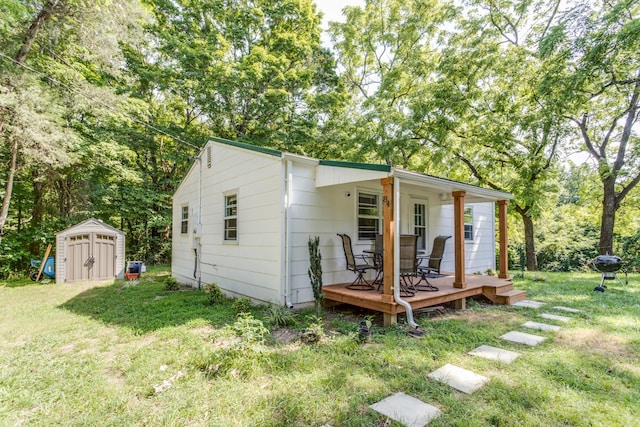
[[264, 150], [355, 165], [430, 179]]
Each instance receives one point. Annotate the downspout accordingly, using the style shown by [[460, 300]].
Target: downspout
[[396, 254], [287, 233], [198, 235]]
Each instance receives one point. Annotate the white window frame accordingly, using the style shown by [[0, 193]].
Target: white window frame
[[184, 219], [425, 237], [377, 217], [230, 216], [468, 225]]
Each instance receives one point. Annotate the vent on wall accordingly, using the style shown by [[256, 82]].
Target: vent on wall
[[209, 156]]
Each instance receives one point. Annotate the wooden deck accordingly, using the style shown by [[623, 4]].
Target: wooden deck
[[499, 291]]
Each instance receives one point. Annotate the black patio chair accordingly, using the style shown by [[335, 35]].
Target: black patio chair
[[433, 264], [359, 268], [408, 264], [435, 258]]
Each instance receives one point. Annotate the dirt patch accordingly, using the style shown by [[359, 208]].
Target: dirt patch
[[592, 341], [484, 316], [203, 331], [285, 336]]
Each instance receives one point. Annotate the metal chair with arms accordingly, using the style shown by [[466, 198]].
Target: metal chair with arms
[[360, 283], [433, 263]]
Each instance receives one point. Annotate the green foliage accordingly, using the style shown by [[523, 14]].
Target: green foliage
[[315, 272], [214, 294], [279, 315], [249, 329], [631, 252], [242, 305], [313, 333], [240, 351], [171, 284]]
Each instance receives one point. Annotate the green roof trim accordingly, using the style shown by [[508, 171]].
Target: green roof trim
[[354, 165], [246, 146]]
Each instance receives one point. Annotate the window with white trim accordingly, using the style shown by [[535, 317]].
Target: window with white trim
[[231, 217], [184, 220], [420, 224], [468, 223], [368, 216]]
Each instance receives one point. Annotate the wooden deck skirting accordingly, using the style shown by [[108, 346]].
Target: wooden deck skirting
[[499, 291]]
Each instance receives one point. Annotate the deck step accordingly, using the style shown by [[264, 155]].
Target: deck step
[[511, 297]]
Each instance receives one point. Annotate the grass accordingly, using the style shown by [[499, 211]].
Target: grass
[[136, 354]]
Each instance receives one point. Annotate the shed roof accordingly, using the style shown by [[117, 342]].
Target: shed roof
[[89, 224]]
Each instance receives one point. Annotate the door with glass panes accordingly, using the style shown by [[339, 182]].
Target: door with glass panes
[[90, 256]]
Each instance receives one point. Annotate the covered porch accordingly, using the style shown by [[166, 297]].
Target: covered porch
[[454, 286], [497, 290]]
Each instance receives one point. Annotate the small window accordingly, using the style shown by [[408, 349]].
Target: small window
[[231, 217], [184, 224], [420, 224], [468, 223], [368, 216]]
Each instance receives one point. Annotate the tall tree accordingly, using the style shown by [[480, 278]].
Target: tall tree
[[387, 51], [250, 69], [490, 97], [597, 73]]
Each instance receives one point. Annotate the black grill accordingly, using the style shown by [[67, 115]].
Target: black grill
[[608, 265]]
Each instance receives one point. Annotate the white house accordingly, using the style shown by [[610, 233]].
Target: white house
[[243, 215]]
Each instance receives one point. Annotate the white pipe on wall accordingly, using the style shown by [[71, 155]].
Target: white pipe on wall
[[396, 254]]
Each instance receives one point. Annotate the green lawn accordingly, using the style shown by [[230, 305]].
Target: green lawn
[[135, 354]]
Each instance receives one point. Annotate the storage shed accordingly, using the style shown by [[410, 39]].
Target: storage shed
[[90, 250]]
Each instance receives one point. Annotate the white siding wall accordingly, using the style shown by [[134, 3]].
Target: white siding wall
[[322, 212], [255, 266], [480, 252], [251, 265]]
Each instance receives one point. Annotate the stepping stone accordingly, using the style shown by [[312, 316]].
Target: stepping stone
[[555, 317], [406, 410], [522, 338], [541, 326], [568, 309], [529, 304], [494, 353], [458, 378]]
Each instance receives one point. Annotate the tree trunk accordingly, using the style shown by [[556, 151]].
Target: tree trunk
[[37, 211], [9, 188], [609, 207], [45, 13], [530, 247]]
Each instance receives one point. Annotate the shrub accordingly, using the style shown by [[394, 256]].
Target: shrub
[[242, 305], [279, 315], [314, 332], [214, 294], [249, 329], [171, 284]]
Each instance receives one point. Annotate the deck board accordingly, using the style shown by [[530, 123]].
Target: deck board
[[373, 300]]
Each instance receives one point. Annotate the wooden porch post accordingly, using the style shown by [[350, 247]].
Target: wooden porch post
[[458, 227], [502, 228], [388, 244]]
